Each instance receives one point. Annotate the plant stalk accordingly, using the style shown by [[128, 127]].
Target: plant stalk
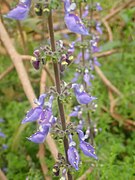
[[58, 87]]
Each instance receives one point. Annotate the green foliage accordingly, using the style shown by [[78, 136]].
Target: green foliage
[[115, 145]]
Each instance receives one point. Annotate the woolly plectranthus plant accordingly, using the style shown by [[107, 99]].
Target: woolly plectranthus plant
[[61, 57]]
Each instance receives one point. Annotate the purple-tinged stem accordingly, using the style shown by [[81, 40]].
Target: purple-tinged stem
[[58, 87]]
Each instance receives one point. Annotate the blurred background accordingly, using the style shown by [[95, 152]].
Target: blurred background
[[113, 85]]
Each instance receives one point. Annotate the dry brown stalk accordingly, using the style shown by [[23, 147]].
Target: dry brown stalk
[[129, 124], [84, 176], [107, 82], [108, 28], [2, 175], [41, 152], [6, 72], [106, 53], [117, 10]]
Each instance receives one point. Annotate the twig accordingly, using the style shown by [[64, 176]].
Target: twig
[[41, 156], [118, 117], [116, 11], [110, 34], [22, 37], [26, 57], [6, 72], [49, 74], [2, 175], [84, 176], [106, 53], [107, 82], [23, 76]]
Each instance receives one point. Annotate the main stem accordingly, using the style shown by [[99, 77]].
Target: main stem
[[83, 63], [58, 87]]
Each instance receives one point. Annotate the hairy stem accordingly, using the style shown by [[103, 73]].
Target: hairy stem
[[58, 87]]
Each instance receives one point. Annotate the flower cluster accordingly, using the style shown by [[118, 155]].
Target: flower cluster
[[44, 117]]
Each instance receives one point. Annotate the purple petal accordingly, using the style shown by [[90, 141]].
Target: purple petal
[[87, 149], [74, 24], [2, 135], [1, 120], [67, 5], [26, 2], [19, 13], [96, 61], [87, 55], [4, 146], [46, 116], [74, 114], [32, 115], [73, 157], [40, 100], [98, 7], [86, 78], [76, 75], [36, 64], [84, 98], [39, 136], [80, 132], [77, 61], [98, 27]]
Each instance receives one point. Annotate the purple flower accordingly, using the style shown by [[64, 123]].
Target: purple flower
[[40, 135], [87, 77], [36, 112], [71, 48], [76, 75], [69, 6], [86, 12], [98, 7], [44, 117], [41, 99], [94, 46], [20, 12], [79, 56], [74, 24], [98, 27], [81, 96], [2, 135], [4, 146], [96, 61], [32, 115], [87, 149], [73, 156], [36, 63], [1, 120], [76, 111]]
